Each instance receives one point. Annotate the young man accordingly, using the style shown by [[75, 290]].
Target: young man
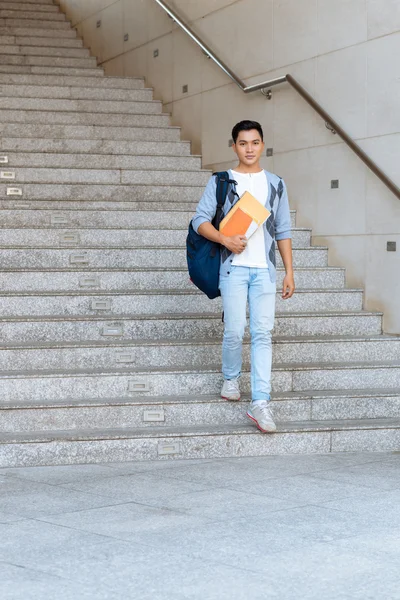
[[248, 270]]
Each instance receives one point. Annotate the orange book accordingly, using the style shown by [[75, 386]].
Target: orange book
[[245, 217]]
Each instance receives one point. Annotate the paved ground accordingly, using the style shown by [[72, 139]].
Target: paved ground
[[287, 527]]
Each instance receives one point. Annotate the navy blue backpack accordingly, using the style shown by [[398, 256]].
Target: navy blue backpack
[[203, 256]]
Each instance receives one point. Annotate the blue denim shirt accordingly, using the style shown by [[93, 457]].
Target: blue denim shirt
[[276, 227]]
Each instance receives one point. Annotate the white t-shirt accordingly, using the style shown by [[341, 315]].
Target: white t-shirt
[[254, 253]]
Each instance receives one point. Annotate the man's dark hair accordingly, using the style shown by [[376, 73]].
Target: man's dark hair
[[246, 126]]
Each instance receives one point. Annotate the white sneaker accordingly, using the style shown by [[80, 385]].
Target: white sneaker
[[261, 414], [230, 389]]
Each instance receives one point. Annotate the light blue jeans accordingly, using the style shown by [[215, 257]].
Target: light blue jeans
[[254, 285]]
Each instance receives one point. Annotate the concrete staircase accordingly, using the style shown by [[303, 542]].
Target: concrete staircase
[[105, 357]]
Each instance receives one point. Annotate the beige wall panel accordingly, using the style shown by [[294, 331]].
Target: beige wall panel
[[93, 37], [384, 85], [339, 210], [187, 63], [295, 31], [187, 114], [341, 88], [135, 23], [294, 120], [135, 62], [383, 17], [341, 23], [297, 169], [114, 67], [382, 282], [211, 75], [191, 10], [241, 35], [112, 31], [160, 68], [158, 22], [383, 208]]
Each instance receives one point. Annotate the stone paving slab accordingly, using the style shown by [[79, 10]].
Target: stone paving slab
[[241, 528]]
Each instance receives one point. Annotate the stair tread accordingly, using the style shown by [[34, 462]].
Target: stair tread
[[199, 399], [160, 292], [111, 343], [180, 432], [211, 368], [175, 316]]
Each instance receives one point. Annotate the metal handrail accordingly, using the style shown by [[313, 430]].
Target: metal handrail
[[333, 125]]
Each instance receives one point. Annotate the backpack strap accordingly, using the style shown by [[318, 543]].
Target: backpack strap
[[223, 183]]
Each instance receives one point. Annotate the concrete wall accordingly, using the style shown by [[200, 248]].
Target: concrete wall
[[345, 52]]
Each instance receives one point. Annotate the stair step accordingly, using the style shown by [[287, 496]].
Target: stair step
[[110, 176], [113, 303], [109, 83], [24, 11], [16, 49], [85, 118], [114, 383], [91, 446], [74, 93], [25, 30], [104, 107], [62, 71], [91, 147], [105, 238], [84, 328], [18, 161], [43, 42], [125, 259], [197, 411], [47, 61], [27, 6], [47, 281], [32, 3], [96, 133], [58, 215], [190, 355], [28, 21]]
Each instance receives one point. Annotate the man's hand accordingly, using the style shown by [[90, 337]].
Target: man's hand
[[288, 286], [236, 243]]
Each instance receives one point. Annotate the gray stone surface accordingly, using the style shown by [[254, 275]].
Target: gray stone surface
[[122, 237], [100, 161], [81, 106], [99, 259], [84, 118], [145, 279], [157, 354], [14, 20], [166, 302], [110, 83], [91, 132], [43, 42], [47, 61], [222, 540], [78, 92], [63, 71], [39, 31], [22, 50], [175, 327]]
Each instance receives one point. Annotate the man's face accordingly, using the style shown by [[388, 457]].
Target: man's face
[[249, 147]]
